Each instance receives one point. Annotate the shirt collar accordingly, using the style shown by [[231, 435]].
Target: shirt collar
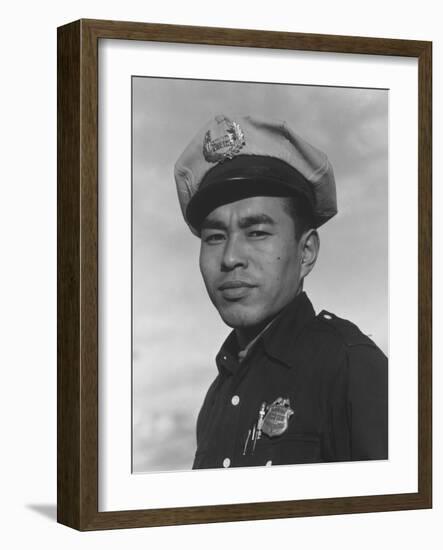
[[227, 362], [278, 338]]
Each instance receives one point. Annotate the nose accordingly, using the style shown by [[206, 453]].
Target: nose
[[234, 254]]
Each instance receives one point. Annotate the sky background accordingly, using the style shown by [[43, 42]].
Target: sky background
[[176, 330]]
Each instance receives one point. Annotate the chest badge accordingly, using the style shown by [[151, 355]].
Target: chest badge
[[276, 419]]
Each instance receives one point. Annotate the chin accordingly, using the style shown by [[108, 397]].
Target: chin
[[238, 316]]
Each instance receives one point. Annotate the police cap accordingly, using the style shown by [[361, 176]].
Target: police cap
[[238, 157]]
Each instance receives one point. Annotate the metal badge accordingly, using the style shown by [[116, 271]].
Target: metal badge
[[224, 141], [277, 417]]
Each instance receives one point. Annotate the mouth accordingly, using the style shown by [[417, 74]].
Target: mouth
[[235, 290]]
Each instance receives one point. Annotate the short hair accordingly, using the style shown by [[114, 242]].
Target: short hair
[[300, 210]]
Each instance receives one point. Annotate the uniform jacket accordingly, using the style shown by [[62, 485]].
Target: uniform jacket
[[336, 380]]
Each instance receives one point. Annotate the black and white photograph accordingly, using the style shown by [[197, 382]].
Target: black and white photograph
[[220, 285], [259, 274]]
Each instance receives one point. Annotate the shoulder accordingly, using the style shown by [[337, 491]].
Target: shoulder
[[364, 365], [356, 350], [342, 330]]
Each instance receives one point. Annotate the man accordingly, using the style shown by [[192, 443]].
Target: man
[[292, 386]]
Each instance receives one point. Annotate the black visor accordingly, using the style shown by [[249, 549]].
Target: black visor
[[242, 177]]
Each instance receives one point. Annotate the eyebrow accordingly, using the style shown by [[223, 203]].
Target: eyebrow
[[244, 223], [255, 220]]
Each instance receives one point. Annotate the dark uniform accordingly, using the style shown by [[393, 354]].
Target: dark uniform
[[334, 377]]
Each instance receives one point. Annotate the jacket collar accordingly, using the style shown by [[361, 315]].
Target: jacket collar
[[278, 340], [281, 339]]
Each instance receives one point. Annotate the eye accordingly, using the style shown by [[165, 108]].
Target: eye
[[213, 238], [258, 234]]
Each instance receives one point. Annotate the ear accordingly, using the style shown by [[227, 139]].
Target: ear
[[310, 246]]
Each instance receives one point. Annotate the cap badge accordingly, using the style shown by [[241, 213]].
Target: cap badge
[[277, 417], [224, 141]]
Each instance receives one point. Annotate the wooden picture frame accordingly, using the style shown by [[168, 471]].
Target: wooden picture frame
[[77, 453]]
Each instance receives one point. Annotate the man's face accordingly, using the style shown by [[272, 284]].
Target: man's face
[[250, 260]]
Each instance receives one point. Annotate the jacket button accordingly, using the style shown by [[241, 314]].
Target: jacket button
[[235, 400], [226, 462]]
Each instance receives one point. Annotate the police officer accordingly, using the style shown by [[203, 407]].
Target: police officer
[[292, 386]]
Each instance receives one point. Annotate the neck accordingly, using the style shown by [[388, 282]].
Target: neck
[[245, 335]]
